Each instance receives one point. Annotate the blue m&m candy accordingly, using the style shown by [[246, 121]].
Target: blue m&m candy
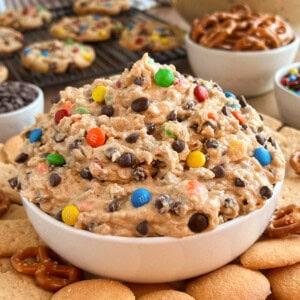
[[27, 51], [229, 94], [83, 27], [263, 156], [35, 135], [97, 17], [45, 53], [140, 197]]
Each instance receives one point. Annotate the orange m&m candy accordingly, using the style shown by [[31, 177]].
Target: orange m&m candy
[[95, 137]]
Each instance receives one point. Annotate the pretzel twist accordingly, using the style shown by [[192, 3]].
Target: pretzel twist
[[241, 30], [50, 272], [4, 203], [295, 161], [285, 221]]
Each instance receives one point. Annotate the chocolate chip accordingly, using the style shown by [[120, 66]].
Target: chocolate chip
[[181, 118], [132, 138], [142, 228], [209, 124], [172, 116], [239, 182], [242, 101], [245, 202], [59, 137], [163, 203], [114, 205], [150, 128], [189, 105], [126, 160], [261, 117], [75, 144], [22, 157], [212, 143], [272, 141], [91, 226], [130, 65], [198, 222], [58, 215], [225, 110], [194, 126], [139, 174], [139, 80], [156, 163], [229, 203], [86, 174], [260, 139], [140, 104], [107, 110], [178, 146], [13, 182], [265, 192], [176, 208], [219, 171], [110, 152], [54, 179], [72, 67]]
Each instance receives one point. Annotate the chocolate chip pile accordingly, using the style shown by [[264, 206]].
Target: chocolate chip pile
[[15, 95]]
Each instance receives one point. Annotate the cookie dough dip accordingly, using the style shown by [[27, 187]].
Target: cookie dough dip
[[150, 152]]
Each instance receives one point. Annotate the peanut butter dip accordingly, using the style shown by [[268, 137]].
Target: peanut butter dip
[[150, 152]]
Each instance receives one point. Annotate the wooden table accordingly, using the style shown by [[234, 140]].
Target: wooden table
[[265, 103]]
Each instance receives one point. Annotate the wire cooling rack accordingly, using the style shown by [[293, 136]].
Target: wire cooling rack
[[110, 57]]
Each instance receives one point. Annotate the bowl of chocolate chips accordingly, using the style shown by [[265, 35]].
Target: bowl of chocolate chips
[[150, 175], [20, 102]]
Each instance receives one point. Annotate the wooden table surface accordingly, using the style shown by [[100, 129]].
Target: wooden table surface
[[265, 103]]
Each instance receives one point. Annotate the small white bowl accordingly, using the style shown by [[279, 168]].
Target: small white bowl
[[248, 73], [152, 259], [12, 123], [288, 103]]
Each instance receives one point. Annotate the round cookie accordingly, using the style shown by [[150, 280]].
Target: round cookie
[[272, 253], [108, 7], [3, 73], [90, 28], [151, 36], [12, 147], [166, 295], [140, 290], [55, 56], [10, 40], [94, 289], [232, 282], [31, 17], [285, 282]]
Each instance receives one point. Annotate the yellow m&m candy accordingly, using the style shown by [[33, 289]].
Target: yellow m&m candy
[[103, 33], [98, 93], [164, 40], [87, 56], [70, 214], [195, 159]]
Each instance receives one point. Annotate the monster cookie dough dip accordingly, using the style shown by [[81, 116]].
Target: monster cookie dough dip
[[149, 152]]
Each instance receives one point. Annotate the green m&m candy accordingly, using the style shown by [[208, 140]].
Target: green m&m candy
[[56, 159], [164, 77]]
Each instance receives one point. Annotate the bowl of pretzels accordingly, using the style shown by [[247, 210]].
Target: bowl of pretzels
[[241, 49]]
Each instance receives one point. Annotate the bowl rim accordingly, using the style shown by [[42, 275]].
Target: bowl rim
[[39, 97], [295, 42], [148, 240], [280, 73]]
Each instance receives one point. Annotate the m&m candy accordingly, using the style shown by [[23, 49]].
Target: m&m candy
[[140, 197], [229, 94], [196, 159], [70, 214], [35, 135], [27, 51], [263, 156], [45, 53], [200, 93], [164, 77], [60, 114], [291, 80], [95, 137], [56, 159], [98, 93]]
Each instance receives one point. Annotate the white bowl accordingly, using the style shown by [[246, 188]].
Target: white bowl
[[288, 103], [12, 123], [152, 259], [248, 73]]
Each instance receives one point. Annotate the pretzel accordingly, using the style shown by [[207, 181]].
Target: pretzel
[[285, 221], [50, 271], [241, 30], [295, 161], [4, 203]]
